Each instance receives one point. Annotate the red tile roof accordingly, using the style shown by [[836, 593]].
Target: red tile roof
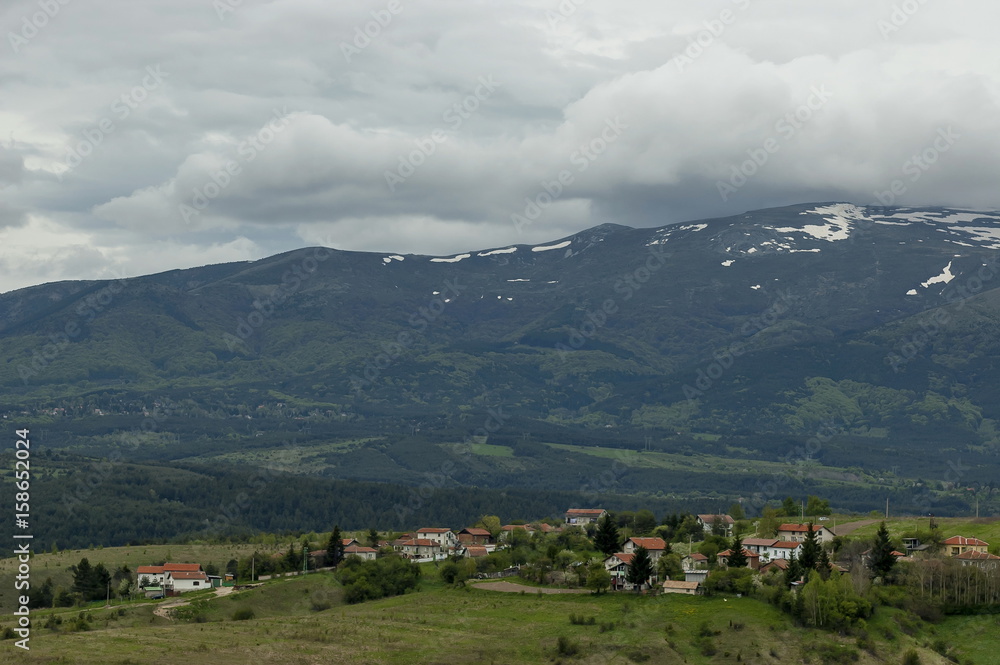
[[781, 564], [799, 528], [585, 511], [747, 553], [476, 550], [786, 545], [650, 543], [476, 531], [623, 557], [149, 570], [420, 542], [511, 527], [698, 556], [760, 542], [966, 542], [358, 549], [434, 530], [188, 575], [708, 519], [182, 567]]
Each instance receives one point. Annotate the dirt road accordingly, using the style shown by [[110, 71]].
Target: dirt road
[[163, 609]]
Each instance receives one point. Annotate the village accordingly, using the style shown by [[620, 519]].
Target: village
[[441, 544]]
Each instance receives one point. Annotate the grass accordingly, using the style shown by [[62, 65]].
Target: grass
[[985, 528], [491, 450], [441, 625]]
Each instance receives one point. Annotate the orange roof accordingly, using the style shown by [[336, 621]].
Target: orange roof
[[650, 543], [698, 556], [726, 519], [433, 530], [747, 553], [786, 545], [148, 570], [760, 542], [475, 531], [966, 542], [182, 567], [421, 542], [625, 558], [511, 527], [584, 511], [476, 550]]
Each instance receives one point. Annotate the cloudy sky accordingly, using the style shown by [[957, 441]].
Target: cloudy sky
[[137, 137]]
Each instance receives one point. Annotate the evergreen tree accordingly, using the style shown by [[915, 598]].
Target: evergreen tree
[[335, 548], [43, 596], [641, 568], [737, 559], [794, 571], [293, 560], [373, 538], [881, 559], [810, 549], [606, 537], [789, 507], [823, 564]]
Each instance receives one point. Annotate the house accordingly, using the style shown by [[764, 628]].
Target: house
[[759, 546], [708, 522], [582, 516], [347, 542], [444, 537], [694, 561], [366, 553], [753, 559], [474, 551], [695, 575], [796, 533], [475, 536], [419, 548], [959, 544], [617, 566], [149, 576], [507, 529], [687, 588], [783, 549], [655, 546], [548, 528], [180, 581], [983, 560], [779, 565]]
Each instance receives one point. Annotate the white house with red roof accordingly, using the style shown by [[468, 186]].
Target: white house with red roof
[[149, 576], [443, 537], [753, 559], [419, 548], [583, 516], [160, 575], [366, 553], [655, 546], [983, 560], [708, 522], [180, 581], [797, 533]]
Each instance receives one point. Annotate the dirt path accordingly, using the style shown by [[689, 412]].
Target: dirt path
[[850, 527], [163, 609], [510, 587]]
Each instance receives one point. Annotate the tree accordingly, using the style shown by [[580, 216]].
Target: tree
[[737, 559], [373, 538], [810, 549], [669, 567], [736, 511], [768, 525], [719, 526], [881, 559], [43, 596], [293, 558], [823, 564], [794, 571], [644, 523], [789, 507], [598, 578], [641, 568], [335, 548], [491, 523], [817, 506], [606, 538]]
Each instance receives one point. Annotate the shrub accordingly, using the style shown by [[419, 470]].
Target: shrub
[[243, 614], [911, 657], [565, 647]]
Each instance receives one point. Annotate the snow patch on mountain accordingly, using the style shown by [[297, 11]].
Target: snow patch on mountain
[[943, 278], [453, 259], [508, 250], [545, 248]]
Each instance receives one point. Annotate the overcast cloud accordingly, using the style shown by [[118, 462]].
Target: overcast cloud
[[137, 137]]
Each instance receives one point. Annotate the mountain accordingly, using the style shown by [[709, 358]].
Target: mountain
[[822, 334]]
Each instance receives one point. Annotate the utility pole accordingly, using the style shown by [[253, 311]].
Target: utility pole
[[252, 561], [887, 507]]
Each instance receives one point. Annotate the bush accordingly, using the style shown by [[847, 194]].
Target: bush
[[911, 657], [244, 614], [565, 647]]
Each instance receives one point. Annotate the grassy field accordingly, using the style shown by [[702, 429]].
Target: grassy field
[[985, 528], [301, 621]]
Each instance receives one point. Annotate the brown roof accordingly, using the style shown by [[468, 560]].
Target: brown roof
[[671, 584], [760, 542], [188, 575], [650, 543], [747, 553], [511, 527], [149, 570], [786, 545], [476, 550], [356, 549], [778, 563], [698, 556], [476, 531], [420, 542], [584, 511], [978, 556], [182, 567], [708, 519], [433, 529], [623, 557], [799, 528], [967, 542]]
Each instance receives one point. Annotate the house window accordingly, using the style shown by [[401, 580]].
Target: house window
[[196, 582]]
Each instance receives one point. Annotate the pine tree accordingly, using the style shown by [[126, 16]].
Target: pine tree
[[641, 568], [335, 548], [794, 571], [823, 564], [810, 549], [606, 538], [737, 559], [881, 559], [373, 538]]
